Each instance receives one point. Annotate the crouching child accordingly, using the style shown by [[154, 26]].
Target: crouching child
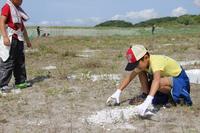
[[168, 78]]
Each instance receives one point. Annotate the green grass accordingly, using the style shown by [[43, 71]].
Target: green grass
[[115, 32], [62, 51]]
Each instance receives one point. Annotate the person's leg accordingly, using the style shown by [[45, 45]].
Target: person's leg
[[7, 67], [181, 89], [144, 87], [165, 85], [19, 67], [162, 96]]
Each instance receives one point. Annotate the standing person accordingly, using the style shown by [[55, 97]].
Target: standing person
[[12, 58], [38, 31], [153, 29], [168, 78]]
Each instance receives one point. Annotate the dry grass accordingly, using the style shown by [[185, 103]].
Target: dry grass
[[56, 104]]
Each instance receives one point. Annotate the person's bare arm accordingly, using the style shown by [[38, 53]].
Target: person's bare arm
[[155, 83], [128, 79], [3, 30], [144, 82], [121, 87], [27, 38], [141, 109]]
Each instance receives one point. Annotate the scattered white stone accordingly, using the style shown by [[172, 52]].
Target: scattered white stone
[[95, 77], [194, 75], [3, 94], [16, 91], [114, 118], [193, 62], [49, 68], [117, 118], [173, 39], [168, 44], [115, 77], [83, 55], [109, 116], [37, 122], [87, 53], [72, 77], [31, 50], [124, 126]]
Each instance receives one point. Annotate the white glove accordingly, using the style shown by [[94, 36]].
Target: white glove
[[141, 109], [114, 98]]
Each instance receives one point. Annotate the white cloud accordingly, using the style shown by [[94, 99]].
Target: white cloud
[[118, 17], [29, 23], [44, 22], [134, 16], [51, 23], [179, 11], [84, 21], [197, 3], [92, 21], [144, 14]]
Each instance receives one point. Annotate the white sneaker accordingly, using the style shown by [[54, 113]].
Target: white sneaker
[[5, 90]]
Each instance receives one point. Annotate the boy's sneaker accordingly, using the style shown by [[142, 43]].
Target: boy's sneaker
[[5, 90], [23, 85]]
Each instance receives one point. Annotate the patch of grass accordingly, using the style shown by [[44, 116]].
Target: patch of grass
[[120, 55], [3, 121], [10, 97], [91, 64], [47, 49], [61, 71], [69, 53], [184, 48], [57, 91], [198, 45], [39, 73]]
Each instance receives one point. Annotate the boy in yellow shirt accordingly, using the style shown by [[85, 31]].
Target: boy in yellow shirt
[[168, 77]]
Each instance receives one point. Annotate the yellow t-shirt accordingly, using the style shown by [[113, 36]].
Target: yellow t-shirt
[[166, 65]]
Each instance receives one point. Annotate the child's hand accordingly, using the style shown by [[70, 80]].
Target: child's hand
[[29, 45], [114, 98], [6, 41], [141, 109]]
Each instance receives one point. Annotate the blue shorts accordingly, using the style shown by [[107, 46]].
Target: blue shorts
[[181, 88]]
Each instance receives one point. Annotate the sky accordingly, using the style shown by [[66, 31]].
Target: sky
[[92, 12]]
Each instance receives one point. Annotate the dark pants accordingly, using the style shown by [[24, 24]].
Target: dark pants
[[15, 64]]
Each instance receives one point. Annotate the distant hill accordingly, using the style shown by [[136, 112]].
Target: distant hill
[[171, 21], [165, 21], [115, 23]]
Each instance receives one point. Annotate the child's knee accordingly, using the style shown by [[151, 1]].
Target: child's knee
[[165, 82]]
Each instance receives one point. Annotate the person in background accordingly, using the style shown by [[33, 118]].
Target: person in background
[[38, 31], [153, 29]]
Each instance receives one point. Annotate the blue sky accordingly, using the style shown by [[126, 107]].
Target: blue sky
[[91, 12]]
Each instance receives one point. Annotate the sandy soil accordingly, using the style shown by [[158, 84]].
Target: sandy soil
[[69, 90]]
